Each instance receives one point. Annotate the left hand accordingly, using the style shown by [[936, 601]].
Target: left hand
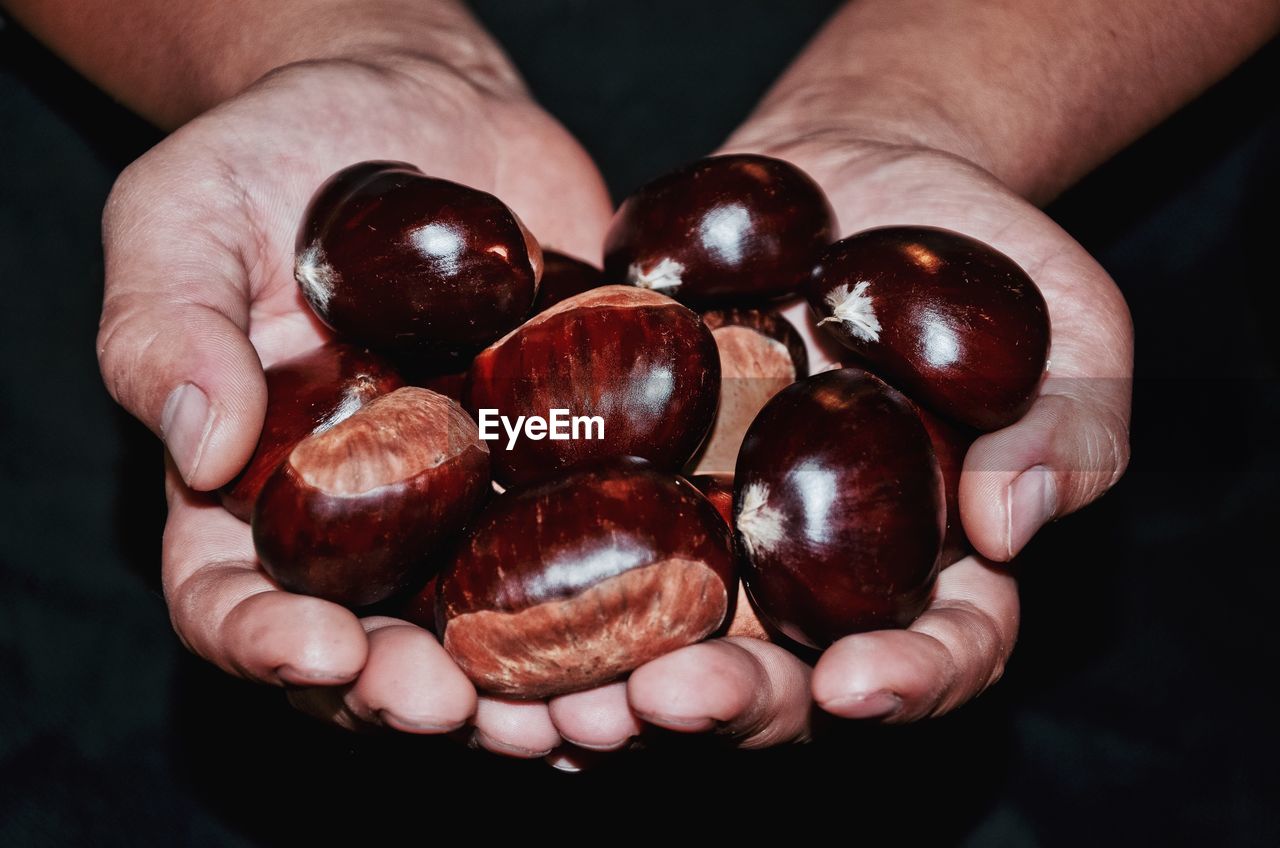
[[1066, 452]]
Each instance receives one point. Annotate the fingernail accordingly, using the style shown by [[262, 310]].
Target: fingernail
[[310, 677], [879, 704], [421, 725], [1033, 498], [682, 724], [599, 747], [563, 762], [185, 424], [496, 746]]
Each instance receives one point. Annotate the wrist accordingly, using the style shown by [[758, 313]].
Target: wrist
[[421, 40]]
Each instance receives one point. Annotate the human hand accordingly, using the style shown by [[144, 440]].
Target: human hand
[[200, 295], [1066, 452]]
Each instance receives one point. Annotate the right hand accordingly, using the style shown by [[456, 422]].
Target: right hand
[[200, 296]]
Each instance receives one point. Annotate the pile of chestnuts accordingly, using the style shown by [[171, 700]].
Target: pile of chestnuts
[[553, 563]]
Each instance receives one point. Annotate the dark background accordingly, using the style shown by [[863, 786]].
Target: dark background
[[1132, 712]]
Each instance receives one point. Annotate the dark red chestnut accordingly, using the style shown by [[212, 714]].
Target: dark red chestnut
[[353, 511], [727, 227], [950, 444], [420, 608], [760, 354], [839, 509], [642, 365], [562, 278], [718, 488], [400, 261], [572, 583], [305, 395], [952, 322]]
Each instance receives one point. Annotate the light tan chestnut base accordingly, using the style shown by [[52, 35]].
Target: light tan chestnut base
[[753, 368], [593, 638]]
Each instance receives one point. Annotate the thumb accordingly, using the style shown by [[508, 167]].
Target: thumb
[[1066, 452], [172, 345]]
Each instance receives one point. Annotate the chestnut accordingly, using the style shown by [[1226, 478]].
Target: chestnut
[[760, 354], [420, 607], [562, 278], [403, 262], [839, 509], [354, 511], [727, 227], [574, 582], [307, 394], [718, 488], [951, 321], [950, 444], [642, 365]]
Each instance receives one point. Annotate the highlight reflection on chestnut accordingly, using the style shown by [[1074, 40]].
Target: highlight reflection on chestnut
[[572, 583], [353, 511], [760, 354], [726, 227], [641, 362], [305, 395], [392, 258], [839, 509], [951, 321]]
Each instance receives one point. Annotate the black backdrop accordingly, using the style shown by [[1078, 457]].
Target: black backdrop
[[1131, 712]]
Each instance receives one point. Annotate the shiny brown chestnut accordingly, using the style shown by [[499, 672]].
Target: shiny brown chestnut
[[641, 363], [718, 488], [951, 321], [573, 583], [733, 227], [760, 354], [950, 444], [403, 262], [562, 278], [307, 394], [839, 509], [354, 511]]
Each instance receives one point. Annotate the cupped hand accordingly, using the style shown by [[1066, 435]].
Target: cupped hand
[[200, 296], [1066, 452]]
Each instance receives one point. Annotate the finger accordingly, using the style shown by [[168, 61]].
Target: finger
[[750, 690], [225, 609], [514, 728], [596, 720], [172, 342], [952, 652], [409, 682], [1065, 453]]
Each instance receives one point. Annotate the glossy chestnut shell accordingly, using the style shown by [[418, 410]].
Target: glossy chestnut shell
[[951, 321], [950, 444], [640, 361], [354, 512], [839, 509], [572, 583], [718, 488], [307, 394], [735, 227], [562, 277], [403, 262], [760, 354]]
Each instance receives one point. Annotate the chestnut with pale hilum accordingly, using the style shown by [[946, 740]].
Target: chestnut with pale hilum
[[950, 321], [307, 394], [353, 513], [737, 228], [641, 362], [572, 583], [761, 353], [410, 264], [839, 509], [718, 488]]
